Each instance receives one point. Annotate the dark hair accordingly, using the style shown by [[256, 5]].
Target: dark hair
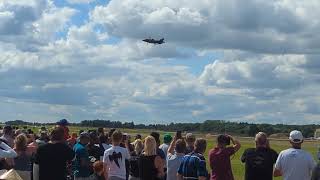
[[200, 145], [156, 136], [57, 134], [7, 130], [100, 130], [223, 139], [81, 131], [180, 146]]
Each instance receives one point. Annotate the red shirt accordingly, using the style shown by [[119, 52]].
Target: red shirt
[[220, 163]]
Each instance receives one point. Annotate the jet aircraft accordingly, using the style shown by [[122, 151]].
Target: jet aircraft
[[153, 41]]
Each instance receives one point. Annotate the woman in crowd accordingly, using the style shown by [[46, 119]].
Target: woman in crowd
[[134, 160], [150, 164], [22, 163]]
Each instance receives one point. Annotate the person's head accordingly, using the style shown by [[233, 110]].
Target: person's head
[[57, 134], [116, 137], [93, 137], [100, 131], [63, 122], [200, 145], [30, 138], [29, 131], [7, 130], [167, 138], [138, 136], [156, 136], [261, 140], [223, 140], [138, 146], [190, 139], [98, 167], [84, 138], [296, 139], [150, 146], [20, 143], [180, 146]]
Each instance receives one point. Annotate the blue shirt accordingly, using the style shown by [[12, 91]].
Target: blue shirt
[[81, 153], [193, 166]]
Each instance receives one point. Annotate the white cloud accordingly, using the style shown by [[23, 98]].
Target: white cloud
[[52, 66], [80, 1]]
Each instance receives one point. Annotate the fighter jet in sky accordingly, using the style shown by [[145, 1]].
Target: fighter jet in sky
[[153, 41]]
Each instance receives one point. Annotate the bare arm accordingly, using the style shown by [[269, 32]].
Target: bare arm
[[202, 178], [172, 146], [236, 144]]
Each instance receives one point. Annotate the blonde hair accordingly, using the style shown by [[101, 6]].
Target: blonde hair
[[150, 146], [20, 142], [138, 146]]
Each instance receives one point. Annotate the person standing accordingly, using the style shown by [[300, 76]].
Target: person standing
[[193, 165], [51, 159], [175, 155], [167, 138], [294, 163], [150, 163], [81, 164], [190, 139], [259, 161], [115, 157], [22, 163], [219, 157]]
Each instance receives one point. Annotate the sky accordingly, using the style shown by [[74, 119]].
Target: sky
[[251, 61]]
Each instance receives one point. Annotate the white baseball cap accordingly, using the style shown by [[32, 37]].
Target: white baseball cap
[[296, 136]]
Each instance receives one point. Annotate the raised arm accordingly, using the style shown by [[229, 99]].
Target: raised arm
[[236, 143], [172, 146]]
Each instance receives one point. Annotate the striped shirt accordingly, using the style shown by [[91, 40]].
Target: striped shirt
[[193, 166]]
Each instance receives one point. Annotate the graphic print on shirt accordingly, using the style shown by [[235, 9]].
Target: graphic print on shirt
[[115, 157]]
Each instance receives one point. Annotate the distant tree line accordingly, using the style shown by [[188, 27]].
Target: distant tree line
[[208, 126]]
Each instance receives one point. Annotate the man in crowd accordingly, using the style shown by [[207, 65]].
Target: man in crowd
[[175, 155], [114, 158], [51, 158], [294, 163], [219, 157], [190, 138], [193, 165], [81, 164], [259, 161], [8, 135], [167, 138]]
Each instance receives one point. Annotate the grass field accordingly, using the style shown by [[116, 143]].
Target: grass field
[[237, 166]]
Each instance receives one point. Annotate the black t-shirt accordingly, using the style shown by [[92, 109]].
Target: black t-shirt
[[259, 163], [52, 160]]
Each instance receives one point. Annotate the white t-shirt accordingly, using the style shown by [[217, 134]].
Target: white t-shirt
[[295, 164], [115, 158]]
